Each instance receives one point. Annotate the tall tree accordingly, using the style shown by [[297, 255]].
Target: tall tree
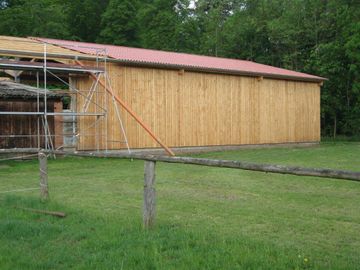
[[83, 18], [159, 21], [211, 16], [333, 57]]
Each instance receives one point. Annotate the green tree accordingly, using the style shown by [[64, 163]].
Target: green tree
[[83, 18], [211, 16], [335, 56], [159, 23], [34, 18], [119, 24]]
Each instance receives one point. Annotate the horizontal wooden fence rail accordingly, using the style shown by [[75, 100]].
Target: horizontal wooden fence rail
[[268, 168]]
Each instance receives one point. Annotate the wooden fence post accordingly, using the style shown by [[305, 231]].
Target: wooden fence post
[[149, 194], [44, 192]]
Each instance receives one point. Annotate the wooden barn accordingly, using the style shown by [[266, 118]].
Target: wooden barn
[[20, 129], [182, 100]]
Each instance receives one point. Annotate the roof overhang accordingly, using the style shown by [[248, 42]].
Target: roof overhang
[[217, 71]]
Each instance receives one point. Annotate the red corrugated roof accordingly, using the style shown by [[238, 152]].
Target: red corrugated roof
[[182, 60]]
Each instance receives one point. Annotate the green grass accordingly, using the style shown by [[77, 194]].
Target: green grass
[[341, 138], [208, 218]]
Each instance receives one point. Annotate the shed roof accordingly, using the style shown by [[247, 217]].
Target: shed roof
[[138, 56], [17, 90]]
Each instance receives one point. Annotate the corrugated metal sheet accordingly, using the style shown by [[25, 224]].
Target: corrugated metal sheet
[[182, 60]]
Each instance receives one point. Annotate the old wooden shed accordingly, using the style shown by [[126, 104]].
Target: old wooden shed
[[184, 100], [23, 126]]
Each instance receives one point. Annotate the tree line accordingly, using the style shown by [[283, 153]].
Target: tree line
[[320, 37]]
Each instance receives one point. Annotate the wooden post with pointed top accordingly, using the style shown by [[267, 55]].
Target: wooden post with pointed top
[[44, 191], [149, 194]]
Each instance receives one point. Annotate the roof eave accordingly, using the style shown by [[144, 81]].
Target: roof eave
[[218, 71]]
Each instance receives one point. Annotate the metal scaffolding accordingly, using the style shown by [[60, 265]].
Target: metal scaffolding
[[95, 104]]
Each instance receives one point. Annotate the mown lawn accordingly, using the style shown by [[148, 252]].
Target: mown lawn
[[208, 218]]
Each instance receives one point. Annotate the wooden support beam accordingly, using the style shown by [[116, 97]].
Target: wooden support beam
[[131, 112], [149, 194], [268, 168], [44, 191]]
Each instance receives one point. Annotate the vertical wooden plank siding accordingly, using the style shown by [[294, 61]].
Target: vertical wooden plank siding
[[201, 109], [25, 125]]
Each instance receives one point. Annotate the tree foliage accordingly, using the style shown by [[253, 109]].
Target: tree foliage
[[314, 36], [33, 18], [83, 18], [118, 25]]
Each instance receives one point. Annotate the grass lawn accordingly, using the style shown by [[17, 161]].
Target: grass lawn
[[208, 218]]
